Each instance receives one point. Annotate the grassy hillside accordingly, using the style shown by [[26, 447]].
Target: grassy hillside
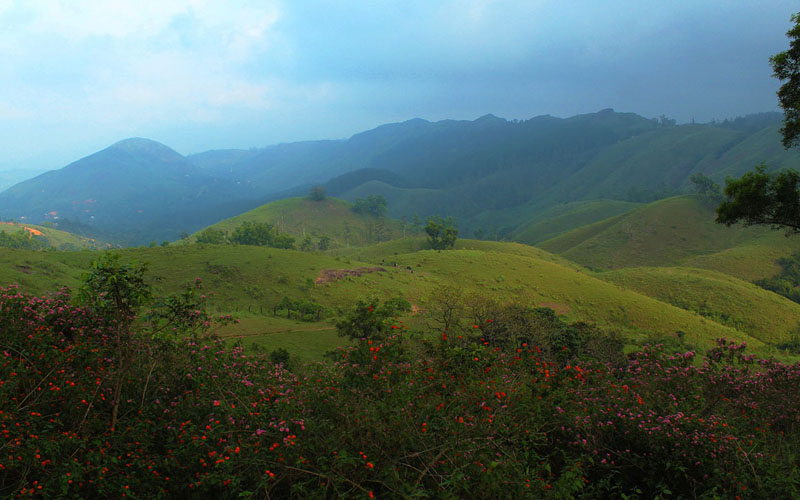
[[330, 217], [53, 237], [248, 281], [716, 296], [664, 233], [753, 260], [563, 218]]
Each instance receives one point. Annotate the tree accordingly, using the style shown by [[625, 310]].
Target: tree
[[283, 240], [442, 233], [762, 198], [307, 245], [324, 243], [786, 67], [211, 236], [370, 319], [706, 188], [254, 233], [116, 291], [317, 193], [416, 224], [444, 308], [374, 205]]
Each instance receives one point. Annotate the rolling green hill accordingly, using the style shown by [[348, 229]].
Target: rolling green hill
[[330, 217], [492, 174], [248, 281], [675, 231], [52, 237], [716, 296], [563, 218]]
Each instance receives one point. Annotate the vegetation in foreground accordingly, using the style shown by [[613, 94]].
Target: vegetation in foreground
[[126, 396]]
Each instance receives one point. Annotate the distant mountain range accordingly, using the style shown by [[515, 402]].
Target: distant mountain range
[[492, 174]]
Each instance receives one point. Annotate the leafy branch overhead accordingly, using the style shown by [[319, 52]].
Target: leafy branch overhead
[[759, 197], [762, 198], [786, 67]]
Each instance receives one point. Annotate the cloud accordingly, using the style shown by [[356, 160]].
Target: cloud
[[213, 73], [132, 58]]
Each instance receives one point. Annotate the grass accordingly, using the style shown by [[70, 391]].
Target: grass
[[753, 260], [565, 217], [719, 297], [306, 341], [53, 237], [330, 217], [668, 232], [247, 281]]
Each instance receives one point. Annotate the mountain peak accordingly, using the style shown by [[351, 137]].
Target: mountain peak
[[140, 145], [489, 118]]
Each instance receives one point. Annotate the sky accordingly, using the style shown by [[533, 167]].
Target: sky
[[79, 75]]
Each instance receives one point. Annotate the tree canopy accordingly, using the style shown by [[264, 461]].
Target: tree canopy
[[762, 198], [759, 197], [442, 233], [374, 205], [786, 67]]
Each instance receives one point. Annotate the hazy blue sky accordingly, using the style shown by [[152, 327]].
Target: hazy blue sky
[[78, 75]]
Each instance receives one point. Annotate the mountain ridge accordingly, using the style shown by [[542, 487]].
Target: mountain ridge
[[492, 174]]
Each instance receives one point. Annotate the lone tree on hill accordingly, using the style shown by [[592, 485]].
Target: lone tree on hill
[[374, 205], [317, 193], [442, 233], [759, 197]]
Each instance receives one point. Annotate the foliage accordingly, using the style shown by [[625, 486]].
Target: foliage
[[459, 419], [260, 234], [21, 239], [307, 244], [373, 205], [317, 193], [182, 313], [786, 66], [324, 243], [211, 236], [302, 309], [442, 233], [115, 290], [787, 283], [253, 233], [762, 198], [280, 356], [706, 187], [372, 320]]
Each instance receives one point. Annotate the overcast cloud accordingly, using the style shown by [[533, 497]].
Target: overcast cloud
[[78, 75]]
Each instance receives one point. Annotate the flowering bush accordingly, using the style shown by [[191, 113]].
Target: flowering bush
[[390, 417]]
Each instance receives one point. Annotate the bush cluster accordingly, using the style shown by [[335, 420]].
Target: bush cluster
[[455, 416], [248, 233]]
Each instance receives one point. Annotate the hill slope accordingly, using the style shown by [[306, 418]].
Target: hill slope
[[132, 190], [252, 278], [717, 296], [669, 232], [329, 217], [53, 237], [563, 218], [490, 173]]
